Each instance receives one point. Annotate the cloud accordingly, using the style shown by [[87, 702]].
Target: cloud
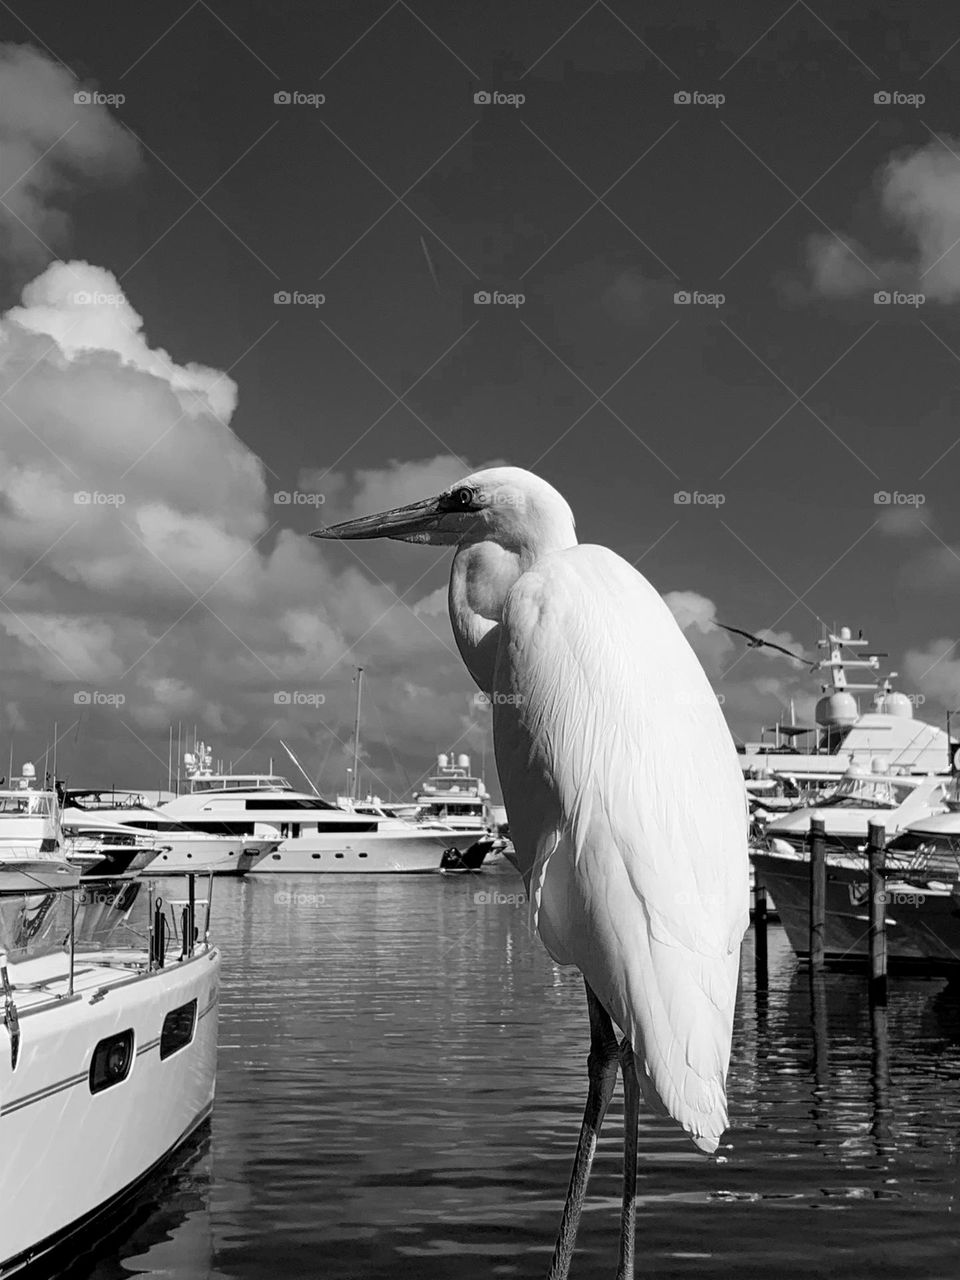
[[143, 555], [379, 488], [919, 198], [49, 145]]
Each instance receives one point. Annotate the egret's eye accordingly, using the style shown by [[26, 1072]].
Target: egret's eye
[[464, 497]]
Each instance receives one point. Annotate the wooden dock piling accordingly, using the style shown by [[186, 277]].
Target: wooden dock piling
[[818, 893], [878, 914], [759, 932]]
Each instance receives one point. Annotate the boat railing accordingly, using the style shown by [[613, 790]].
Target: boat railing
[[123, 920]]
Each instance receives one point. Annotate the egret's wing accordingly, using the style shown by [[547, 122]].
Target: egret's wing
[[628, 813]]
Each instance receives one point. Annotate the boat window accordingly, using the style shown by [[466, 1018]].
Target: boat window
[[868, 793], [283, 802], [178, 1028], [112, 1059]]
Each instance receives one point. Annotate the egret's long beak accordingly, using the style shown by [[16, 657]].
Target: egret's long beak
[[401, 523]]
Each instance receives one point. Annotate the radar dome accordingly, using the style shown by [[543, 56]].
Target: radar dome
[[837, 709], [897, 704], [844, 633], [463, 762], [442, 760]]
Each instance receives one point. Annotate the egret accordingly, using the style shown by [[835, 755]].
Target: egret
[[626, 803]]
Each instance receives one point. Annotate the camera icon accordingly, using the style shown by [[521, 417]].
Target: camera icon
[[881, 498], [81, 298], [83, 98], [483, 898], [81, 698], [82, 498], [882, 298], [682, 98], [882, 98], [281, 698], [482, 98], [282, 97], [682, 298], [682, 498], [281, 498], [282, 299], [480, 699], [481, 298]]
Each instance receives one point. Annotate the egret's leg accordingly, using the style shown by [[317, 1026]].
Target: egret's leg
[[602, 1076], [631, 1119]]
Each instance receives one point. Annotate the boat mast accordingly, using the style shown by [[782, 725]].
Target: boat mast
[[355, 790]]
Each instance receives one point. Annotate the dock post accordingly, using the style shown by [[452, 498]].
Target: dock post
[[878, 914], [818, 892], [759, 932]]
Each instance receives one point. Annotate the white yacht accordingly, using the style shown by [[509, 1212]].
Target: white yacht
[[180, 846], [108, 1041], [30, 834], [303, 832], [454, 796], [106, 848], [894, 800], [818, 755]]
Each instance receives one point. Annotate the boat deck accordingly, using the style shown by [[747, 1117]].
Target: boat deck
[[45, 980]]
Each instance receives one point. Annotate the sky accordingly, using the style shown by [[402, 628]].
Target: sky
[[244, 252]]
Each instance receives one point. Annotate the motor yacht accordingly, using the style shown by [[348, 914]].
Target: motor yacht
[[816, 756], [306, 833], [108, 1039]]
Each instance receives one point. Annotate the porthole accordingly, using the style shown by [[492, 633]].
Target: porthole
[[276, 856], [178, 1028], [338, 855], [361, 855], [314, 855], [112, 1059]]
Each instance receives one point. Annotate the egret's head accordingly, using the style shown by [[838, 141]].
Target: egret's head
[[506, 505]]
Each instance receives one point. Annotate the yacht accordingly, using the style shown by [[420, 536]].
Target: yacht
[[30, 851], [108, 1041], [861, 797], [303, 832], [818, 755], [107, 848], [454, 796], [180, 847]]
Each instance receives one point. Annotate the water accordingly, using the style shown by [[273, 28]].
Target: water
[[400, 1088]]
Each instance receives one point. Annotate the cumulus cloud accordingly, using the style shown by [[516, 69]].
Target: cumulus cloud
[[49, 145], [918, 197], [143, 558]]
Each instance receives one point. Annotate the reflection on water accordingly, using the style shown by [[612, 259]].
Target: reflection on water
[[401, 1081]]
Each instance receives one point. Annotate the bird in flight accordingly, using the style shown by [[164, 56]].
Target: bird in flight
[[626, 803], [758, 642]]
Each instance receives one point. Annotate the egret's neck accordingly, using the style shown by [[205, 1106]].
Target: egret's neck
[[481, 578]]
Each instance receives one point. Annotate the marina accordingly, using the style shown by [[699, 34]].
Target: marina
[[370, 1122], [479, 657]]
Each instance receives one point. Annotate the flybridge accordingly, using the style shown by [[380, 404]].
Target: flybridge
[[843, 735]]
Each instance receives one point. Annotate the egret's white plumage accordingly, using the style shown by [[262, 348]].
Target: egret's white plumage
[[626, 802]]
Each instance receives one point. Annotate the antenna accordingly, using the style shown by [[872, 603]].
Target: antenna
[[355, 793]]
